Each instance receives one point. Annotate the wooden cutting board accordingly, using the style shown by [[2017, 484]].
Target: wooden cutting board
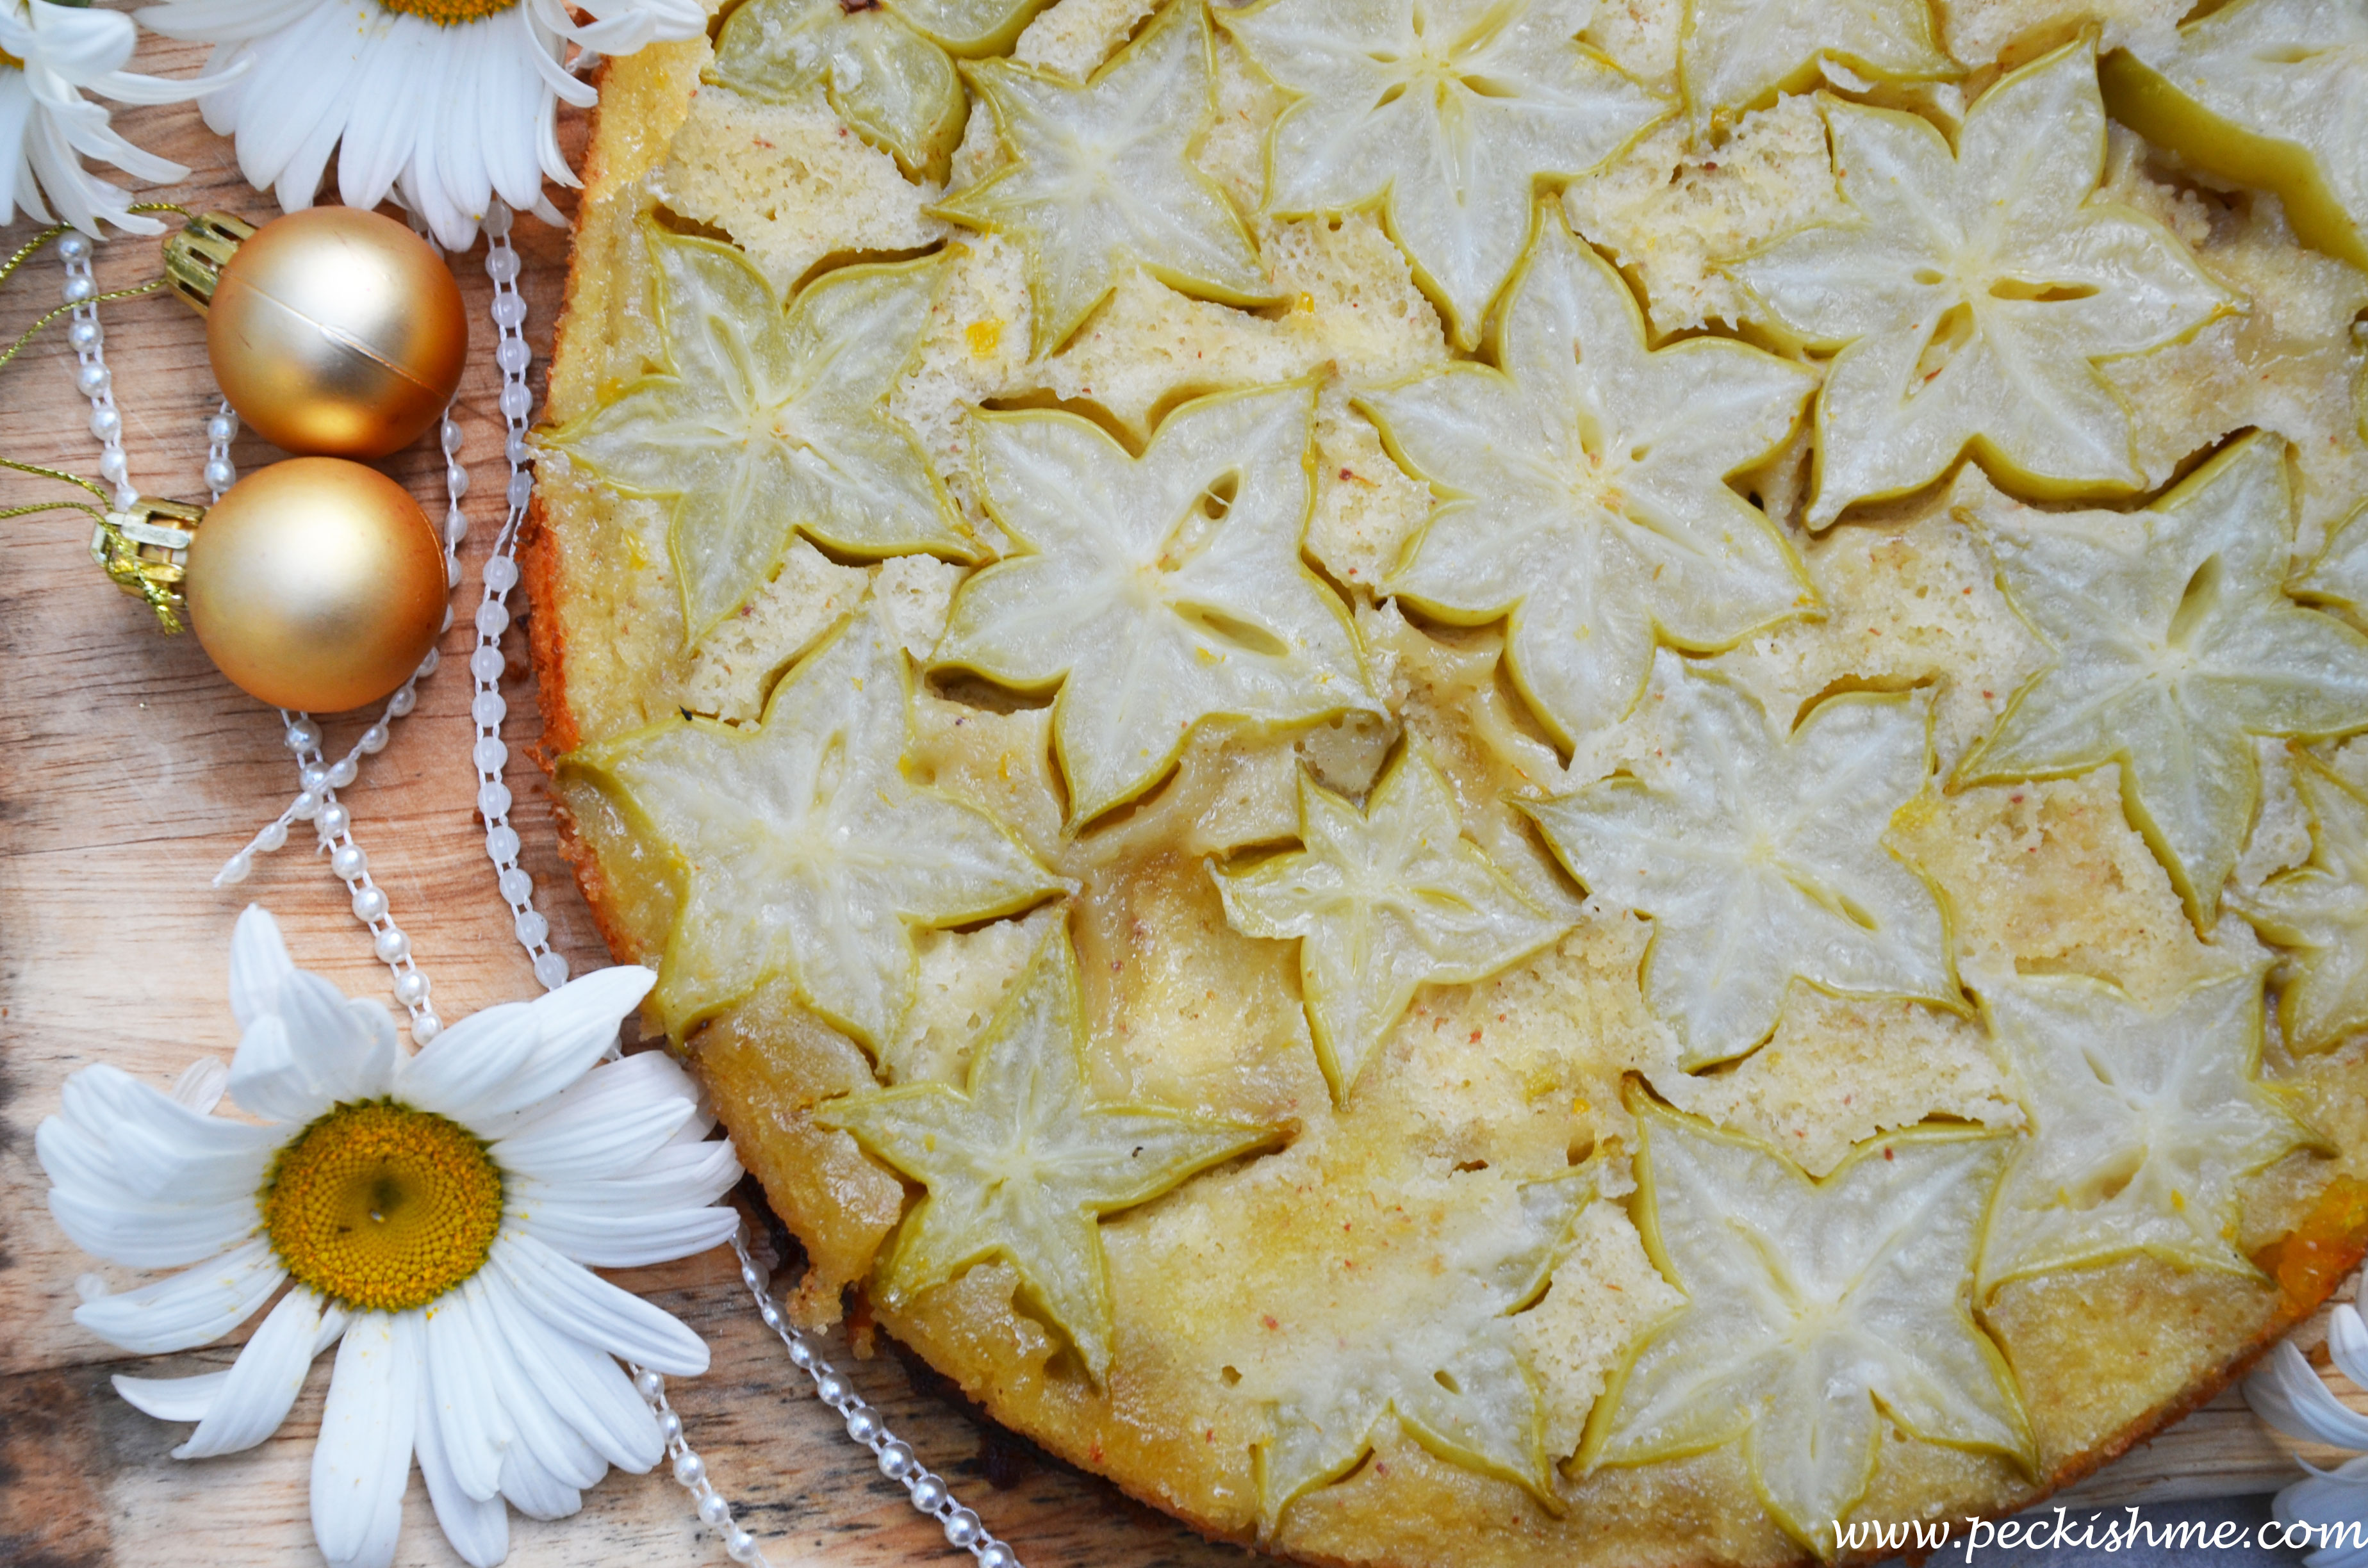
[[130, 770]]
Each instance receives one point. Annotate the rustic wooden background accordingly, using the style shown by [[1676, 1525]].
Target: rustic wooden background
[[130, 770]]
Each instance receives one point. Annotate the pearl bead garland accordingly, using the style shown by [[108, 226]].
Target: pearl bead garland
[[929, 1494], [316, 803], [488, 707]]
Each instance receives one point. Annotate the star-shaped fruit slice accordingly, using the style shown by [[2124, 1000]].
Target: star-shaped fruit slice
[[1157, 592], [1583, 488], [1976, 292], [1021, 1163], [2143, 1123], [2319, 911], [1428, 1340], [1383, 900], [2267, 93], [804, 851], [1736, 55], [1100, 178], [2340, 575], [879, 64], [764, 422], [1760, 857], [1815, 1311], [2174, 645], [1447, 115]]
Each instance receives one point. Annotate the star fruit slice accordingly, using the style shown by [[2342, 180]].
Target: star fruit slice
[[766, 421], [802, 850], [2143, 1123], [2340, 575], [895, 85], [1816, 1312], [1760, 857], [1446, 111], [1737, 55], [2174, 644], [1583, 488], [2267, 93], [1427, 1342], [1159, 592], [1100, 179], [1383, 900], [1974, 295], [1022, 1163], [2319, 912]]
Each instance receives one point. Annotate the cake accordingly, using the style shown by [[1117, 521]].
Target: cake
[[1570, 782]]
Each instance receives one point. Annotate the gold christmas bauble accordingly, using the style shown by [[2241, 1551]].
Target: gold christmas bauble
[[337, 332], [316, 584]]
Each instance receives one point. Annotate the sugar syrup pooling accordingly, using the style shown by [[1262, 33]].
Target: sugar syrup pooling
[[1130, 683]]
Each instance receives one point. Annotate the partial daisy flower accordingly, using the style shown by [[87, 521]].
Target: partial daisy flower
[[49, 55], [2292, 1398], [436, 1213], [448, 104]]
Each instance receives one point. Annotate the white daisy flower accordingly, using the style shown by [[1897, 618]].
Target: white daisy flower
[[2292, 1398], [436, 1213], [445, 103], [49, 55]]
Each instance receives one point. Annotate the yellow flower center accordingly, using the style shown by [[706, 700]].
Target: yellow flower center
[[10, 61], [450, 13], [381, 1208]]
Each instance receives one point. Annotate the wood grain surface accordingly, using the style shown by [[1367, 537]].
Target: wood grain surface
[[130, 770]]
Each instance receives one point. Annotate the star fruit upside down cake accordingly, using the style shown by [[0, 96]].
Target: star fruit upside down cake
[[1498, 783]]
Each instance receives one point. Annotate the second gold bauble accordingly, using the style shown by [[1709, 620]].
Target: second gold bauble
[[316, 584], [337, 331]]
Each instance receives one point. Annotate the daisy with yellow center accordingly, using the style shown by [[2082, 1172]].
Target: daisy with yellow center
[[50, 55], [449, 105], [436, 1216]]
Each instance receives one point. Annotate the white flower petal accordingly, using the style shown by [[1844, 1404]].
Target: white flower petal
[[471, 1060], [363, 1459], [264, 1381], [266, 1079], [157, 1149], [505, 1059], [310, 1050], [191, 1308], [478, 1527], [73, 1159], [542, 1433], [678, 1175], [534, 1490], [617, 1116], [630, 1241], [201, 1084], [259, 963], [2346, 1344], [378, 146], [626, 1082], [458, 1394], [192, 1398], [2328, 1500], [580, 1303], [348, 1047], [437, 116], [306, 75], [223, 19], [2287, 1394], [149, 1235], [173, 1399], [587, 1389]]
